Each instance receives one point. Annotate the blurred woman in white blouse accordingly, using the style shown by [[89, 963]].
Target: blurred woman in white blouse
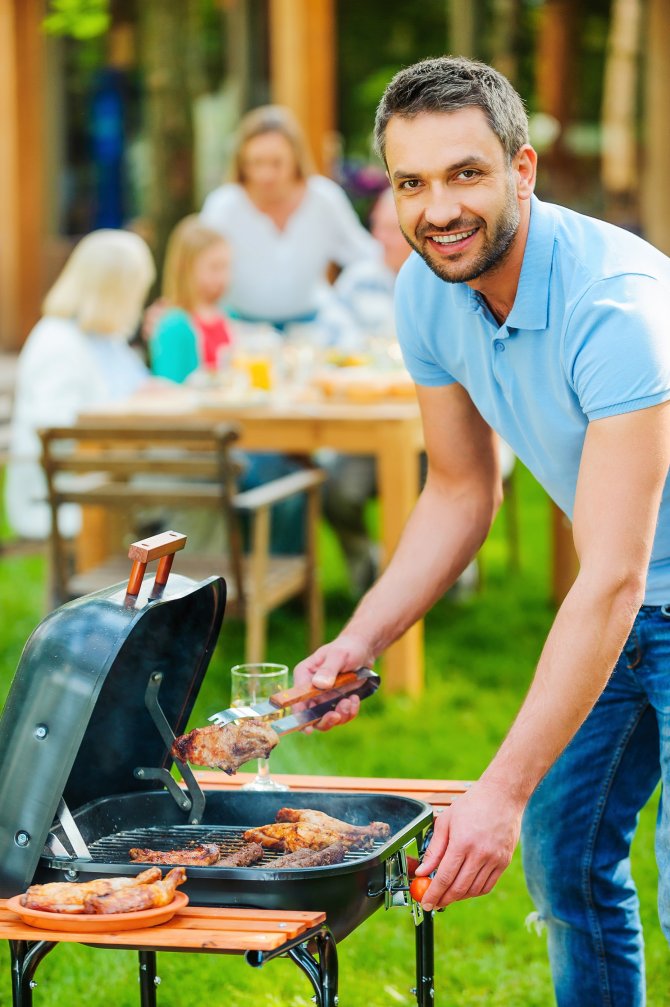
[[284, 223], [77, 356]]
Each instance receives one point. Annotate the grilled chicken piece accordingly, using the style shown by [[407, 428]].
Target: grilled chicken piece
[[226, 747], [195, 856], [64, 897], [378, 830], [130, 900], [333, 854], [245, 856], [291, 836]]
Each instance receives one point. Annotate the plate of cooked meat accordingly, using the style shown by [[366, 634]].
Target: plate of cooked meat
[[113, 903]]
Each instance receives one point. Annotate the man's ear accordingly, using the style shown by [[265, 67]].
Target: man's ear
[[524, 164]]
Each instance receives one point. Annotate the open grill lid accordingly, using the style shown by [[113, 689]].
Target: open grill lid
[[76, 723]]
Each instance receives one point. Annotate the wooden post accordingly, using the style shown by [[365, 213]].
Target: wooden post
[[302, 69], [22, 210], [655, 189], [565, 563]]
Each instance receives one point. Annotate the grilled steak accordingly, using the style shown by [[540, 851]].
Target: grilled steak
[[129, 900], [65, 897], [226, 747], [378, 830], [333, 854], [245, 856], [195, 856]]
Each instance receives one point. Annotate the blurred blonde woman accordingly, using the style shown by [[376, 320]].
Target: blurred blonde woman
[[77, 356], [284, 224], [190, 335]]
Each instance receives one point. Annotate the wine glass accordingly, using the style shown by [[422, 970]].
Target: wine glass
[[251, 684]]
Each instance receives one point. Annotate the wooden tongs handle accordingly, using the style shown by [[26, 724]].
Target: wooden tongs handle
[[346, 682], [161, 547]]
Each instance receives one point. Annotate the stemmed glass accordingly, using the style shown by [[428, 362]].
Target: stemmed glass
[[251, 684]]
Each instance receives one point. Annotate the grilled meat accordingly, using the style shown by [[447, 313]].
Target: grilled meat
[[333, 854], [129, 900], [195, 856], [378, 830], [303, 828], [226, 747], [64, 897], [245, 856], [291, 836]]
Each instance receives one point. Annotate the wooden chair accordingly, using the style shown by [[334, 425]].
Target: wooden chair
[[122, 472]]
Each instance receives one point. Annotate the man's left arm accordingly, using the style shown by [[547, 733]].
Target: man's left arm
[[623, 469]]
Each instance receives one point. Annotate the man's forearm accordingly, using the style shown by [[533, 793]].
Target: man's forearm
[[581, 650], [442, 536]]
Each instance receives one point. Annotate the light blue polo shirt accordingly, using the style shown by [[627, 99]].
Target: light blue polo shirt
[[588, 336]]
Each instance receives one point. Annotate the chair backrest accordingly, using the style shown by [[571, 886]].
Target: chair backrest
[[136, 468]]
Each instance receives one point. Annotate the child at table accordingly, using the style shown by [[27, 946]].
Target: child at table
[[191, 334]]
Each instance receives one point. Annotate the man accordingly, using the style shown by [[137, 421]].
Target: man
[[550, 328]]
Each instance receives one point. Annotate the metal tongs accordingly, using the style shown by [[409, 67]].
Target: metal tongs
[[314, 703]]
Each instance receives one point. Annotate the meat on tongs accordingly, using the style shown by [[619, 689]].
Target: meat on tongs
[[227, 747], [67, 897], [129, 900]]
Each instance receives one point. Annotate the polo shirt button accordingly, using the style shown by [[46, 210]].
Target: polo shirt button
[[499, 345]]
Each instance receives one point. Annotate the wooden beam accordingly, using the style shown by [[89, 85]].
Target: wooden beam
[[302, 69], [22, 209], [655, 189]]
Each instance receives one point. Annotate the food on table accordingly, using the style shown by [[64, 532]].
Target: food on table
[[130, 900], [67, 897], [195, 856], [226, 747], [333, 854], [315, 831], [245, 856]]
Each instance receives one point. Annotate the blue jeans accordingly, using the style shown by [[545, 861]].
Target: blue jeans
[[579, 825]]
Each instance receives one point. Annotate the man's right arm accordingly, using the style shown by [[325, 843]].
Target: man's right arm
[[444, 532]]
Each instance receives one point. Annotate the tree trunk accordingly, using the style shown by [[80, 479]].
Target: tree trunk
[[168, 35], [619, 166]]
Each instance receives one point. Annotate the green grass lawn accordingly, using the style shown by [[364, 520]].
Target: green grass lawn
[[480, 656]]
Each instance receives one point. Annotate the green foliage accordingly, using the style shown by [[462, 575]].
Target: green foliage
[[80, 19]]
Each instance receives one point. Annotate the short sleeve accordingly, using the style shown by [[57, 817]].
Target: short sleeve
[[617, 346], [350, 242], [414, 328]]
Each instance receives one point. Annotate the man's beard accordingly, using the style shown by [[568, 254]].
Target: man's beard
[[492, 255]]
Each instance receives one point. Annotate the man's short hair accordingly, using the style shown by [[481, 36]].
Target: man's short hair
[[449, 84]]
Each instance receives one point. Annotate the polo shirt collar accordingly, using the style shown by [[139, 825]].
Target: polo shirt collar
[[531, 304]]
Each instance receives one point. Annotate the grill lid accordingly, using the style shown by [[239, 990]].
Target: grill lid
[[76, 725]]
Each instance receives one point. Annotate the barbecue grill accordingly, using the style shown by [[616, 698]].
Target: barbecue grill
[[103, 686]]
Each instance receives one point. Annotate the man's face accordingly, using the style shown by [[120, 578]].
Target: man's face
[[455, 191]]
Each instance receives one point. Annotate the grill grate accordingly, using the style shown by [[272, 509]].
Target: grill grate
[[113, 849]]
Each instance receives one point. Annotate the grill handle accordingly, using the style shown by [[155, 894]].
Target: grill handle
[[161, 547]]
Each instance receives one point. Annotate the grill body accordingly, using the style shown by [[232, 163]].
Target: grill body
[[103, 685], [347, 892]]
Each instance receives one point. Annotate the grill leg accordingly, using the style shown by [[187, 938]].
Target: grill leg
[[322, 974], [425, 962], [148, 978], [26, 956]]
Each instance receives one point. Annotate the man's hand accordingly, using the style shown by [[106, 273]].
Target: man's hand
[[472, 845], [345, 653]]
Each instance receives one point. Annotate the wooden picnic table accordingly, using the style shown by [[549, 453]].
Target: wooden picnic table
[[390, 431], [258, 934]]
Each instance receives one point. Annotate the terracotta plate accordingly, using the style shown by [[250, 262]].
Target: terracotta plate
[[81, 923]]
